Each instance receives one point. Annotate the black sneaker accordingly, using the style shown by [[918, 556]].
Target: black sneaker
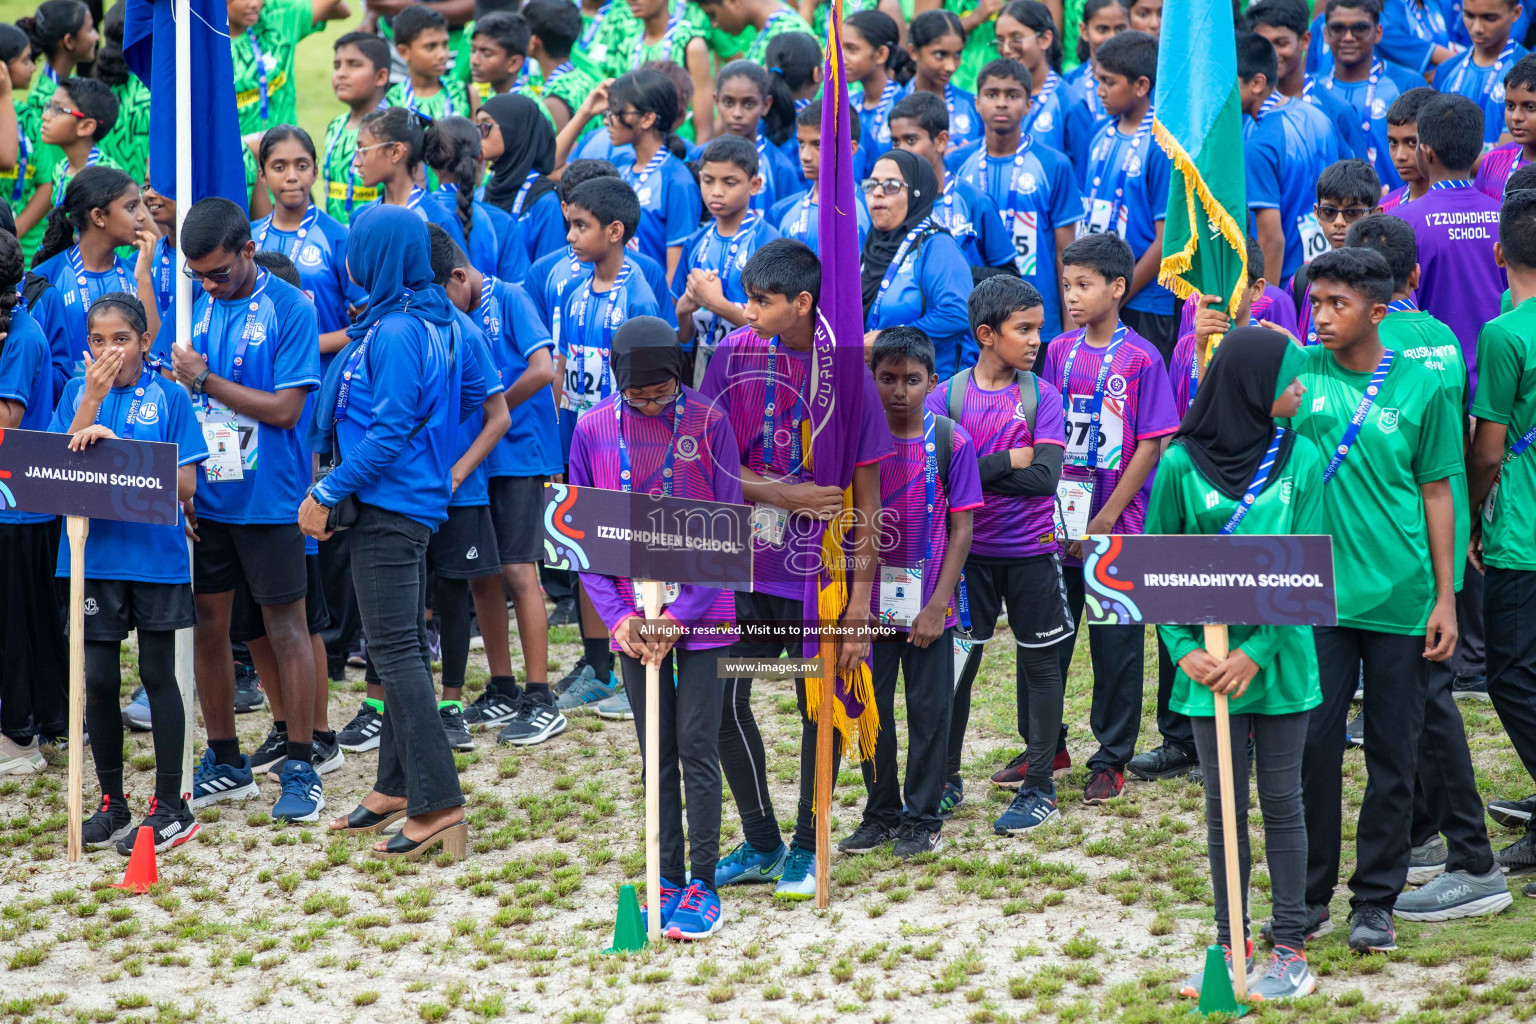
[[570, 677], [951, 799], [1166, 762], [1519, 857], [248, 695], [171, 826], [1318, 923], [111, 823], [535, 721], [454, 727], [1470, 688], [1370, 930], [867, 838], [491, 710], [911, 841], [1512, 813], [564, 613], [273, 751], [1354, 732], [1011, 775], [362, 733], [326, 757]]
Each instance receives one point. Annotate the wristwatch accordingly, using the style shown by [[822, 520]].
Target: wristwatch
[[198, 382]]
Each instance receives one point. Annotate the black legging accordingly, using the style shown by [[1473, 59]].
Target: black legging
[[450, 610], [103, 715]]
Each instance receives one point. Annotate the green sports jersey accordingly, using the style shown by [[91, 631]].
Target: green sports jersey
[[785, 19], [337, 177], [980, 45], [62, 175], [1427, 341], [1071, 20], [275, 35], [824, 10], [1506, 349], [1372, 506], [633, 51], [452, 100], [727, 47], [602, 33], [128, 141], [1184, 502], [42, 159]]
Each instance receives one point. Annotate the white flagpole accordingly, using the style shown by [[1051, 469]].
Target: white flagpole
[[183, 328]]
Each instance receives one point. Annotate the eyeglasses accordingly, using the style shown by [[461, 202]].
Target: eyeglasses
[[485, 128], [888, 187], [1350, 214], [54, 108], [360, 150], [660, 401], [618, 115], [1358, 29], [217, 276]]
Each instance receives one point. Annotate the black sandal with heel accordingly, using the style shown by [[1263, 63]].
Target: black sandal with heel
[[361, 819], [452, 838]]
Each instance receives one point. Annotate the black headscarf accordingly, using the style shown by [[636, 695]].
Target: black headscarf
[[528, 144], [1228, 427], [880, 247], [645, 353]]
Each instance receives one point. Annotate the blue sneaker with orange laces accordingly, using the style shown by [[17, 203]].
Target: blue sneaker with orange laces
[[671, 896], [698, 915]]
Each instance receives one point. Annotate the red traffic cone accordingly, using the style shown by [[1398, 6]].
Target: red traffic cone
[[141, 873]]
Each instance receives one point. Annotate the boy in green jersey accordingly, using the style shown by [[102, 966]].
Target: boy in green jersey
[[80, 114], [1503, 482], [359, 78], [263, 35], [554, 28], [1387, 502], [1462, 879], [768, 17], [421, 39], [498, 52]]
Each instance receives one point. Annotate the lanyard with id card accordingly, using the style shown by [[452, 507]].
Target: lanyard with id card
[[1313, 241], [583, 388], [1109, 213], [770, 521], [669, 591], [232, 437], [1260, 478], [901, 586], [1088, 430], [1515, 451]]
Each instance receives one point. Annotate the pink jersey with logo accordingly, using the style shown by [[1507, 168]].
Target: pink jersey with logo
[[1494, 169]]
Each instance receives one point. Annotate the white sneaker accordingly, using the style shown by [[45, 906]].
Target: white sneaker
[[16, 759]]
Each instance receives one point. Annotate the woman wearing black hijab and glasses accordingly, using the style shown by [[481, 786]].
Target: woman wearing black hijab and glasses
[[519, 148], [913, 270], [1232, 469]]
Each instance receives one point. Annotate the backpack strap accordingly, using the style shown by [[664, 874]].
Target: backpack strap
[[1299, 282], [1029, 397], [954, 398], [944, 438], [33, 285]]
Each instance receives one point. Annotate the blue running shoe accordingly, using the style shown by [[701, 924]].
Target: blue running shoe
[[1030, 809], [698, 916], [671, 896], [212, 782], [136, 714], [302, 799], [747, 864], [798, 882], [587, 690]]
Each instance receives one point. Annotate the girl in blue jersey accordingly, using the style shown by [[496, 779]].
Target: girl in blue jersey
[[519, 148], [313, 240], [102, 211], [872, 56], [936, 39], [136, 575], [794, 79], [749, 106], [1026, 33], [495, 244], [390, 144], [913, 271]]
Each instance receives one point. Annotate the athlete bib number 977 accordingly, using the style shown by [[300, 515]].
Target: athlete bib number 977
[[1111, 433]]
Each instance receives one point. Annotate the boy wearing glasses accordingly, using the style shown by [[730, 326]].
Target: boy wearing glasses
[[250, 364], [1346, 191], [79, 115]]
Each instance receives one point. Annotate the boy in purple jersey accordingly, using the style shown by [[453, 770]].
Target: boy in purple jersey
[[1403, 146], [1194, 349], [1494, 169], [1346, 191], [1455, 225], [932, 481], [760, 376], [656, 436], [1115, 392], [1016, 422]]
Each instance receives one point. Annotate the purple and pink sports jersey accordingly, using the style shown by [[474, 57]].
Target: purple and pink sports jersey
[[1494, 169], [1274, 305], [746, 379], [1009, 525], [902, 496], [1136, 394], [705, 470], [1179, 373], [1394, 199]]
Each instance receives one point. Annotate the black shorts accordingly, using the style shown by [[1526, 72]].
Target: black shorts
[[115, 608], [464, 548], [268, 557], [517, 509], [1031, 588], [246, 623]]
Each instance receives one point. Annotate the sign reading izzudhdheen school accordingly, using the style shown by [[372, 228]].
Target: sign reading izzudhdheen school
[[132, 481]]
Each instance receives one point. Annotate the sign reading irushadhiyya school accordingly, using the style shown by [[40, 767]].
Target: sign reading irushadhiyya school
[[132, 481]]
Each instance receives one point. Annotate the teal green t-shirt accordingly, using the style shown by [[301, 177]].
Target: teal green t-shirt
[[1506, 393]]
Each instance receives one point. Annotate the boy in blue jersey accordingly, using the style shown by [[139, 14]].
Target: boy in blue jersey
[[251, 362], [1033, 185], [1478, 73], [797, 216], [712, 302], [1286, 145], [920, 124], [1414, 33], [1125, 182], [1285, 23]]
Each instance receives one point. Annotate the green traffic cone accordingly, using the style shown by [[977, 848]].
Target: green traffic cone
[[628, 928], [1216, 995]]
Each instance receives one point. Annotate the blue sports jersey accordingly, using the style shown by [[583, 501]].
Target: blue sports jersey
[[511, 249], [1368, 102], [551, 276], [707, 249], [47, 309], [928, 289], [434, 211], [77, 288], [1285, 151], [799, 217], [475, 358], [26, 376], [1046, 119], [1083, 112], [583, 334], [544, 225], [1036, 193], [1125, 186], [277, 346], [964, 123], [1484, 86], [670, 203], [484, 249], [1410, 31], [874, 124], [972, 219], [531, 446], [1344, 118], [137, 551], [319, 253]]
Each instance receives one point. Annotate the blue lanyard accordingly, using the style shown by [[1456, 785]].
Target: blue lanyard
[[1143, 132], [606, 326], [747, 229], [1428, 21], [1260, 478], [298, 238], [1377, 70], [408, 94], [803, 218], [63, 184], [1352, 431], [1095, 404], [556, 313], [488, 309], [894, 266], [1091, 91], [23, 151], [1041, 99], [1402, 306], [50, 74], [769, 426], [1495, 76], [1457, 183], [983, 177], [344, 390], [930, 484], [145, 379], [522, 193], [950, 94], [261, 70], [165, 284], [253, 306], [554, 76], [674, 22], [82, 284], [882, 132], [414, 199], [590, 32], [1519, 447], [626, 484], [651, 166]]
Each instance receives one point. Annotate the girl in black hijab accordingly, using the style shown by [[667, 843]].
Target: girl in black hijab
[[518, 144]]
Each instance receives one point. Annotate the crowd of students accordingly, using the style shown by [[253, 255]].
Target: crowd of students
[[558, 242]]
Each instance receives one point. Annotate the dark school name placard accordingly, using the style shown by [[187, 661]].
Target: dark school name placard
[[1153, 579], [132, 481], [648, 537]]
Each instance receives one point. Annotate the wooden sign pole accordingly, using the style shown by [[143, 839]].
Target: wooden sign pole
[[78, 527], [825, 736], [650, 600], [1216, 646]]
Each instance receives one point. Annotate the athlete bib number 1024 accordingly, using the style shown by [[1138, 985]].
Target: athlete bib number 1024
[[579, 392], [1313, 242]]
